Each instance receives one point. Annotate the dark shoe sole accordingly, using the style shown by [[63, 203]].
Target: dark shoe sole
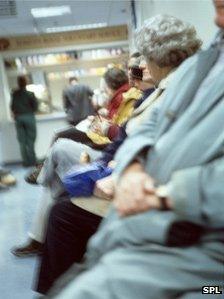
[[30, 181], [26, 253]]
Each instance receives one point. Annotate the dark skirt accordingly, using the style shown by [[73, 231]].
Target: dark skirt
[[69, 229]]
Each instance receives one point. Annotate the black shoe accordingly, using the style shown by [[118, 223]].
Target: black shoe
[[31, 249], [31, 178]]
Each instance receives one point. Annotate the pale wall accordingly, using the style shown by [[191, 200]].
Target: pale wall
[[9, 148], [198, 12]]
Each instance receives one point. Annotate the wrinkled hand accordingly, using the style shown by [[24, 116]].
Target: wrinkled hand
[[100, 126], [135, 192], [103, 112], [104, 188], [96, 126]]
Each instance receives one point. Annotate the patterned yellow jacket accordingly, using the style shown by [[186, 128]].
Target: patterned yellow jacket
[[123, 114]]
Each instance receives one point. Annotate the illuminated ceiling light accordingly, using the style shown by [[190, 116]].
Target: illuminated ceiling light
[[75, 27], [44, 12]]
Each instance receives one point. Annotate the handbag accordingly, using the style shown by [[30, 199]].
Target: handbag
[[81, 179]]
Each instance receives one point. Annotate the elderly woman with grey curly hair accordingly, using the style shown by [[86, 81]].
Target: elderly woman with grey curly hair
[[165, 42]]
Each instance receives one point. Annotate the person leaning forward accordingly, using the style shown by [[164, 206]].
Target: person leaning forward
[[23, 106]]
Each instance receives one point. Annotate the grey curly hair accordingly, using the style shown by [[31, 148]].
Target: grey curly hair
[[166, 40]]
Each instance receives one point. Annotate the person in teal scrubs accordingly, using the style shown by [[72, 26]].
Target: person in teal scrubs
[[23, 106]]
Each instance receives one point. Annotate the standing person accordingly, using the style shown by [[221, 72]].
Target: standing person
[[23, 106], [77, 101]]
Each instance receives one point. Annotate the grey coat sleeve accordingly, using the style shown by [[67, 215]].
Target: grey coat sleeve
[[142, 138], [197, 193]]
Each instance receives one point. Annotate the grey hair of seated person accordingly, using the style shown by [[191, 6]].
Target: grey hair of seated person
[[166, 40]]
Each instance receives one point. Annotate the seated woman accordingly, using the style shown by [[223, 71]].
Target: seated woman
[[66, 153], [121, 99], [66, 235]]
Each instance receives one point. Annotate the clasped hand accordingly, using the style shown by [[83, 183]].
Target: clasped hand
[[135, 192], [98, 125], [104, 188]]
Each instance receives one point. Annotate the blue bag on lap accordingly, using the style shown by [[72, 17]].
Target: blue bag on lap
[[81, 179]]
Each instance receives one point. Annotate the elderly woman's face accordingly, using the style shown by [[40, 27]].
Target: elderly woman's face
[[146, 73], [157, 73], [219, 7]]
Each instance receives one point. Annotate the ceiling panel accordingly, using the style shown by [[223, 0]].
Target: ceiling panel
[[112, 12]]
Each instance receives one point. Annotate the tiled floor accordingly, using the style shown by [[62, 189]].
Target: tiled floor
[[16, 209]]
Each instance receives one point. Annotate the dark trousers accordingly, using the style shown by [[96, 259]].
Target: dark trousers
[[69, 229], [26, 135]]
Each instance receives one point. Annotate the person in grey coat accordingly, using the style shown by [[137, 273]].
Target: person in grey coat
[[164, 238], [77, 101]]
